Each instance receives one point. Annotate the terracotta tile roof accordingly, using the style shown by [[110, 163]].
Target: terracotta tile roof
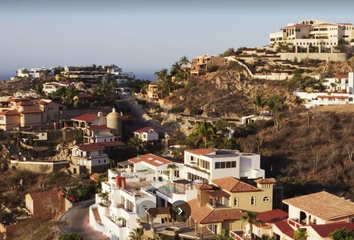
[[206, 214], [203, 186], [265, 181], [41, 102], [113, 143], [322, 205], [348, 24], [31, 111], [94, 177], [234, 185], [341, 76], [218, 193], [98, 127], [85, 117], [201, 151], [326, 229], [272, 216], [144, 129], [25, 103], [151, 159], [43, 195], [91, 147], [284, 227], [9, 113]]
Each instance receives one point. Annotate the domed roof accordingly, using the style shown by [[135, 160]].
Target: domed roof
[[113, 114]]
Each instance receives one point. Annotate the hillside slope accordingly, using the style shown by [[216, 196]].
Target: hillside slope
[[225, 93]]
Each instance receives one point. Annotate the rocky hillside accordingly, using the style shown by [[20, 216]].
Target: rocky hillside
[[225, 93]]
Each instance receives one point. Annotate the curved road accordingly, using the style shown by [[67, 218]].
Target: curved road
[[76, 220]]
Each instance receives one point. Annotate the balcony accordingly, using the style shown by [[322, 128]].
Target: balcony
[[295, 222]]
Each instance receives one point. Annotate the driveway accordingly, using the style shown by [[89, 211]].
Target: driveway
[[76, 220]]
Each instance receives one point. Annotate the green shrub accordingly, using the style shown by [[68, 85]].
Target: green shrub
[[177, 110], [196, 111]]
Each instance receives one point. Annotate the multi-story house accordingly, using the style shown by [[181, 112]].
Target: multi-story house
[[88, 158], [98, 133], [51, 87], [208, 164], [319, 214], [146, 134], [87, 119], [339, 90], [199, 64], [29, 113], [314, 32], [116, 214], [34, 72]]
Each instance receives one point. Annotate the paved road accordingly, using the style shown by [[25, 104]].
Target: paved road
[[76, 221]]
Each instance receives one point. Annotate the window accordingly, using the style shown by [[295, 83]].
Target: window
[[2, 118], [228, 164], [104, 161], [223, 165], [99, 161], [253, 200], [266, 199], [235, 201], [233, 164], [217, 165]]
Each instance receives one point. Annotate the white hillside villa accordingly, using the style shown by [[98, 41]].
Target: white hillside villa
[[339, 90], [157, 179], [314, 32]]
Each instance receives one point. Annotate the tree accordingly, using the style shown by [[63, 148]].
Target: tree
[[342, 234], [137, 143], [39, 90], [205, 132], [224, 235], [258, 102], [164, 81], [300, 234], [173, 167], [250, 217], [136, 234], [183, 60], [111, 163], [70, 236], [228, 52]]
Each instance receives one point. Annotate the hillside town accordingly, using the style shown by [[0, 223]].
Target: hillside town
[[254, 143]]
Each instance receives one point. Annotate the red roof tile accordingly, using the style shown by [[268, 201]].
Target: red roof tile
[[31, 111], [203, 186], [201, 151], [284, 227], [110, 144], [9, 113], [234, 185], [265, 181], [91, 147], [150, 159], [42, 195], [98, 127], [85, 117], [326, 229], [144, 129], [341, 76], [272, 216], [206, 214]]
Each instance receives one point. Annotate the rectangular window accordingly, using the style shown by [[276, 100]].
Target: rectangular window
[[223, 165], [233, 164], [228, 164], [2, 118], [217, 165]]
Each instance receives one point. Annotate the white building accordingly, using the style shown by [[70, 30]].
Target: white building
[[314, 32], [34, 72], [209, 164], [98, 133], [51, 87], [88, 158], [88, 119], [147, 134], [117, 215], [118, 75], [338, 90]]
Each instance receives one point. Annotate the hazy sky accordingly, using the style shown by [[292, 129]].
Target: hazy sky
[[143, 36]]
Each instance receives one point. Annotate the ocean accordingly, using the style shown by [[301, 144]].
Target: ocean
[[6, 76]]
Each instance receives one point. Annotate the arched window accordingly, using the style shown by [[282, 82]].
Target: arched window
[[253, 200], [235, 201], [266, 199]]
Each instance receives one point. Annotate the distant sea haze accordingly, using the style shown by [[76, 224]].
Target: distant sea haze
[[147, 76]]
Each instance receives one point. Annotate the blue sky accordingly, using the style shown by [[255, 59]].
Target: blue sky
[[143, 35]]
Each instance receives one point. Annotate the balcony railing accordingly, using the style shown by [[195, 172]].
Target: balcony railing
[[294, 222]]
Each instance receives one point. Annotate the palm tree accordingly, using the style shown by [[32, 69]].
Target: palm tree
[[224, 235], [136, 234], [176, 68], [164, 81], [173, 167], [251, 218], [111, 163], [205, 132], [258, 102], [301, 234], [183, 60], [137, 143]]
